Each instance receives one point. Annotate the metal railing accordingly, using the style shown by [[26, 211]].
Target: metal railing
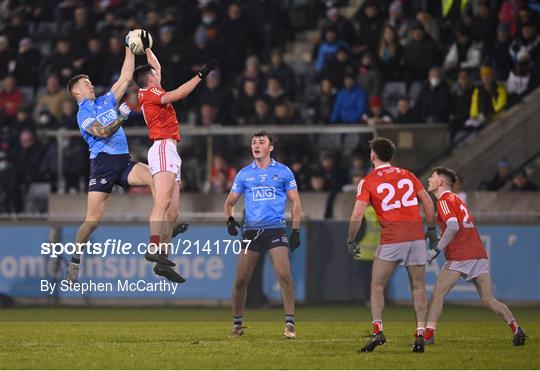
[[61, 135]]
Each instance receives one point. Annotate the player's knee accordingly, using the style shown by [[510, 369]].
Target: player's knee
[[285, 280]]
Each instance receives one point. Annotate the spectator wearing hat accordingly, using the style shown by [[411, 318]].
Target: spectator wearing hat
[[376, 115], [344, 28], [328, 48], [488, 99], [369, 22], [527, 42], [350, 104], [401, 24], [420, 54], [405, 113], [500, 178], [521, 183], [498, 52], [432, 104], [463, 54]]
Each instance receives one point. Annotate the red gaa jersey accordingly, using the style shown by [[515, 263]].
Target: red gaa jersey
[[160, 118], [466, 244], [392, 193]]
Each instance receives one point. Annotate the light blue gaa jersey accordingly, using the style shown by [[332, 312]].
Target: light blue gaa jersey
[[265, 193], [101, 109]]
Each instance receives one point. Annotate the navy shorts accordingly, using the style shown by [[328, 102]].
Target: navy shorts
[[265, 239], [107, 170]]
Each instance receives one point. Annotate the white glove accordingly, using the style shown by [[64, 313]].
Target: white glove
[[432, 255], [126, 40], [124, 110]]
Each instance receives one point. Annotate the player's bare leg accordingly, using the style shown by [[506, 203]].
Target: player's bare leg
[[171, 214], [445, 281], [165, 184], [246, 263], [280, 260], [418, 289], [381, 272], [484, 288], [140, 176], [96, 205]]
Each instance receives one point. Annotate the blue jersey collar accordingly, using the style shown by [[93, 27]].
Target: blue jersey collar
[[272, 163]]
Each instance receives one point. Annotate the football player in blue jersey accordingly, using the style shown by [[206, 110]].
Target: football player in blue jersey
[[110, 163], [266, 185]]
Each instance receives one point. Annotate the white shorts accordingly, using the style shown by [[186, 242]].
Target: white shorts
[[163, 156], [469, 269], [408, 253]]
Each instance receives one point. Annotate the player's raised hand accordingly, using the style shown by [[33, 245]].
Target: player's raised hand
[[211, 65], [294, 239], [232, 225], [432, 254], [145, 39], [433, 239], [353, 248], [124, 110]]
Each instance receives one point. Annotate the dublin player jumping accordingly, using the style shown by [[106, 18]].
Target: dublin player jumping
[[110, 162], [465, 255], [266, 185]]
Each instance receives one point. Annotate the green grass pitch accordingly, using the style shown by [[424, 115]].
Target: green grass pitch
[[196, 338]]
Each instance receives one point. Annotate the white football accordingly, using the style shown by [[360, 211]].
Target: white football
[[135, 43]]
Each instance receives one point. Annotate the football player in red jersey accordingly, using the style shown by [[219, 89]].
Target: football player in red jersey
[[394, 194], [163, 158], [464, 253]]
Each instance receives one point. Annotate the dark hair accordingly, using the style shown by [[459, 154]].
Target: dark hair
[[73, 81], [140, 75], [450, 175], [263, 133], [383, 148]]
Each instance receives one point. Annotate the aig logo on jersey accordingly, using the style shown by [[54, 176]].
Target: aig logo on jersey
[[264, 193]]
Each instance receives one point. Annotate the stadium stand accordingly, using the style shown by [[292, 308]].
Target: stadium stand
[[460, 66]]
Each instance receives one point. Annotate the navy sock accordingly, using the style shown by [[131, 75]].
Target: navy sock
[[289, 318], [238, 320]]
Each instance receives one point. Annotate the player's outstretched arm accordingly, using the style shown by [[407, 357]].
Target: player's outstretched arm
[[153, 61], [186, 88], [126, 74]]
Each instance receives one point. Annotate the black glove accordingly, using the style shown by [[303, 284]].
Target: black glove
[[211, 65], [433, 239], [353, 247], [231, 226], [145, 39], [294, 239]]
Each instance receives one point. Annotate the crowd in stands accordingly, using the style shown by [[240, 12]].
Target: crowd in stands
[[393, 61]]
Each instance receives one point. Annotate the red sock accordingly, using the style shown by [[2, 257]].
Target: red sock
[[428, 334], [513, 325], [155, 240], [377, 327]]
